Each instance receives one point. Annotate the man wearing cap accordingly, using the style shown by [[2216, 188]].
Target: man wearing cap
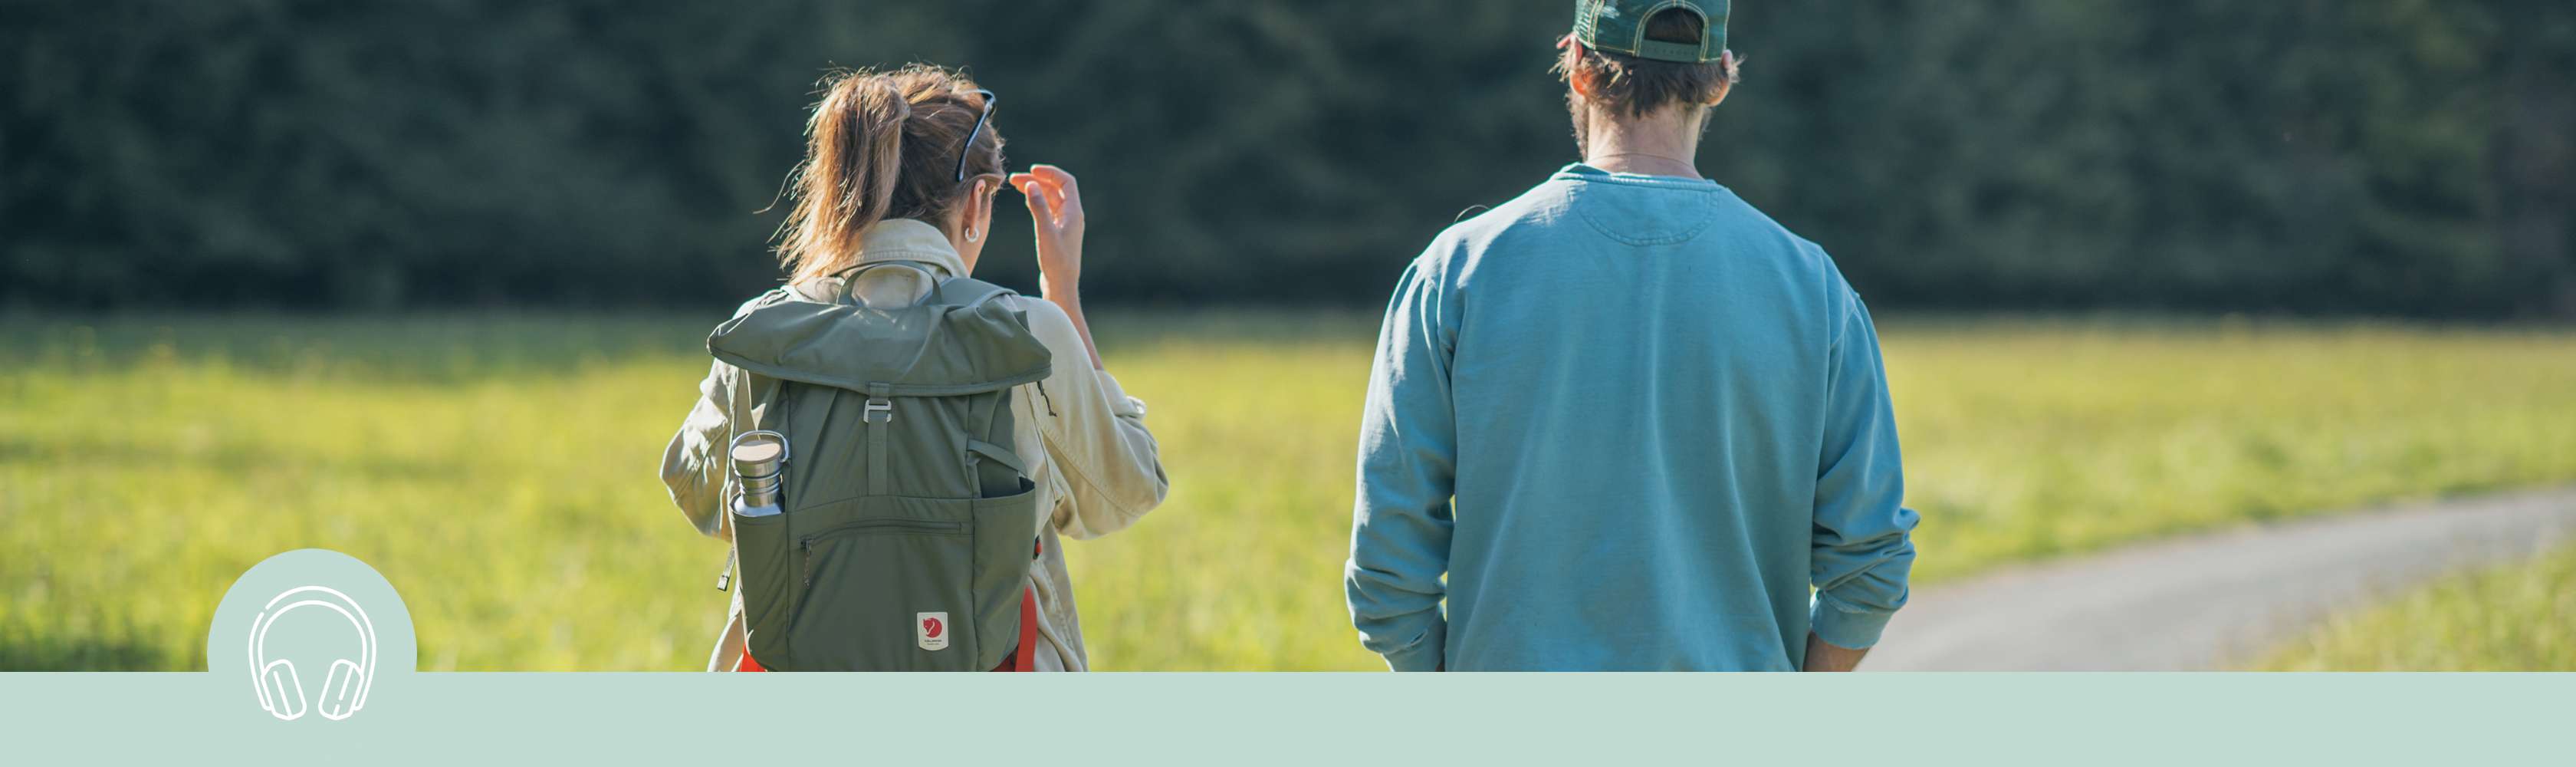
[[1625, 421]]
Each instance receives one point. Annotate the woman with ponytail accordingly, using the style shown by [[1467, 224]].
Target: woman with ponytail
[[905, 166]]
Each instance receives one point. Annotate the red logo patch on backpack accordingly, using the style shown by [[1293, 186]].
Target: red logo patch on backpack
[[932, 633]]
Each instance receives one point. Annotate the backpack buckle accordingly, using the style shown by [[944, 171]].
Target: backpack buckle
[[878, 406]]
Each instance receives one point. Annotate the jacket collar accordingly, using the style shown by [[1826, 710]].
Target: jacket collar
[[894, 239], [910, 239]]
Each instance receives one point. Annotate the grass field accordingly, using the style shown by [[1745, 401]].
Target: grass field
[[500, 470], [2516, 617]]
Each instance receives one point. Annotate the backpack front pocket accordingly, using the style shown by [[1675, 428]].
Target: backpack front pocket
[[885, 584]]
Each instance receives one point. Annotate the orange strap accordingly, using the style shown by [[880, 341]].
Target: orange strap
[[1025, 658]]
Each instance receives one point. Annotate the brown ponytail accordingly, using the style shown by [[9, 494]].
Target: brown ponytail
[[881, 145]]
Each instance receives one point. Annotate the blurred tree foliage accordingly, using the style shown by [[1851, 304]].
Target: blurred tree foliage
[[2376, 156]]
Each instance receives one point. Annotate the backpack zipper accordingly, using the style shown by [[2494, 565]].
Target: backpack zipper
[[805, 545]]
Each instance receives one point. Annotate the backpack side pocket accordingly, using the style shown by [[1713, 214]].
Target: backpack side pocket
[[1005, 542], [768, 583]]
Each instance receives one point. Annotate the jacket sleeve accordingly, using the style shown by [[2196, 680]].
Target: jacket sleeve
[[690, 465], [1094, 435], [1401, 518], [1862, 547]]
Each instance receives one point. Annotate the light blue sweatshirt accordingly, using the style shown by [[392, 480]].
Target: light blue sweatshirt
[[1632, 420]]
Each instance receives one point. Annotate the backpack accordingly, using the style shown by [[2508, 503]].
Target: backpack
[[909, 522]]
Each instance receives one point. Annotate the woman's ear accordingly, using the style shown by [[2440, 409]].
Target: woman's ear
[[973, 225], [986, 189], [974, 212]]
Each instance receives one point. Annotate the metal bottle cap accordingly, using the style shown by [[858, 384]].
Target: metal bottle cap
[[759, 457]]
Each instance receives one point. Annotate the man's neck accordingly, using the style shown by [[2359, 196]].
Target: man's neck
[[1660, 144]]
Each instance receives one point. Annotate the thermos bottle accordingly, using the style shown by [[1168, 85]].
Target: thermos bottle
[[759, 461]]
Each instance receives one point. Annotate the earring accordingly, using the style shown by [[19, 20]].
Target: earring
[[970, 234]]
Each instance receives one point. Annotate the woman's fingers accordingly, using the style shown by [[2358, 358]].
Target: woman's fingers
[[1053, 188], [1063, 196], [1067, 191], [1058, 185]]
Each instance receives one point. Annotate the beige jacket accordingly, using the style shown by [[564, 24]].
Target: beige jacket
[[1083, 438]]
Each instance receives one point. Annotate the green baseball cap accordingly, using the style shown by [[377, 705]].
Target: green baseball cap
[[1619, 26]]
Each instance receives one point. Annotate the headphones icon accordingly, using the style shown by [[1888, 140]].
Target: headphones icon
[[344, 688]]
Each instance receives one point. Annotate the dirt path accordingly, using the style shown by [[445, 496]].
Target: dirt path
[[2211, 601]]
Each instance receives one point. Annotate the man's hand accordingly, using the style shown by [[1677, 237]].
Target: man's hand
[[1826, 657]]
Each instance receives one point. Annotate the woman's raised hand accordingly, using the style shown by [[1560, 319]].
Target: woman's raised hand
[[1055, 207]]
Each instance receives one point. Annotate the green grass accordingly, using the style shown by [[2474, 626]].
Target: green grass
[[2517, 617], [500, 470]]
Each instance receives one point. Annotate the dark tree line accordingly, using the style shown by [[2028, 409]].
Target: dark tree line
[[2372, 156]]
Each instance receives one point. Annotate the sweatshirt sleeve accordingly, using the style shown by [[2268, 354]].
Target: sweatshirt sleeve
[[1401, 520], [692, 465], [1094, 435], [689, 465], [1862, 546]]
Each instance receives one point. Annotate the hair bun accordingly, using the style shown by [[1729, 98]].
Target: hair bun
[[894, 95], [860, 141]]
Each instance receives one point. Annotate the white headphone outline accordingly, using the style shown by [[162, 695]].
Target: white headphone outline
[[353, 691]]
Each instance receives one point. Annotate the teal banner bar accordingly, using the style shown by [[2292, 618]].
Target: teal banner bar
[[1968, 718]]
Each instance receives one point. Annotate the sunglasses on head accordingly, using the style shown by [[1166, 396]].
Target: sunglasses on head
[[968, 148]]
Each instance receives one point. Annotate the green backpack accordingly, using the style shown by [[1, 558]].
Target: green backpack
[[909, 522]]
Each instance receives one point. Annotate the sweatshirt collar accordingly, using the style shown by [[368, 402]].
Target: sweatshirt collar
[[1580, 171]]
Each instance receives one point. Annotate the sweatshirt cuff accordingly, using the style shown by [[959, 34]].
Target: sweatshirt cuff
[[1421, 657], [1846, 628]]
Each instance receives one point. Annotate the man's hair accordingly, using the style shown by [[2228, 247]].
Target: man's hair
[[1637, 87]]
